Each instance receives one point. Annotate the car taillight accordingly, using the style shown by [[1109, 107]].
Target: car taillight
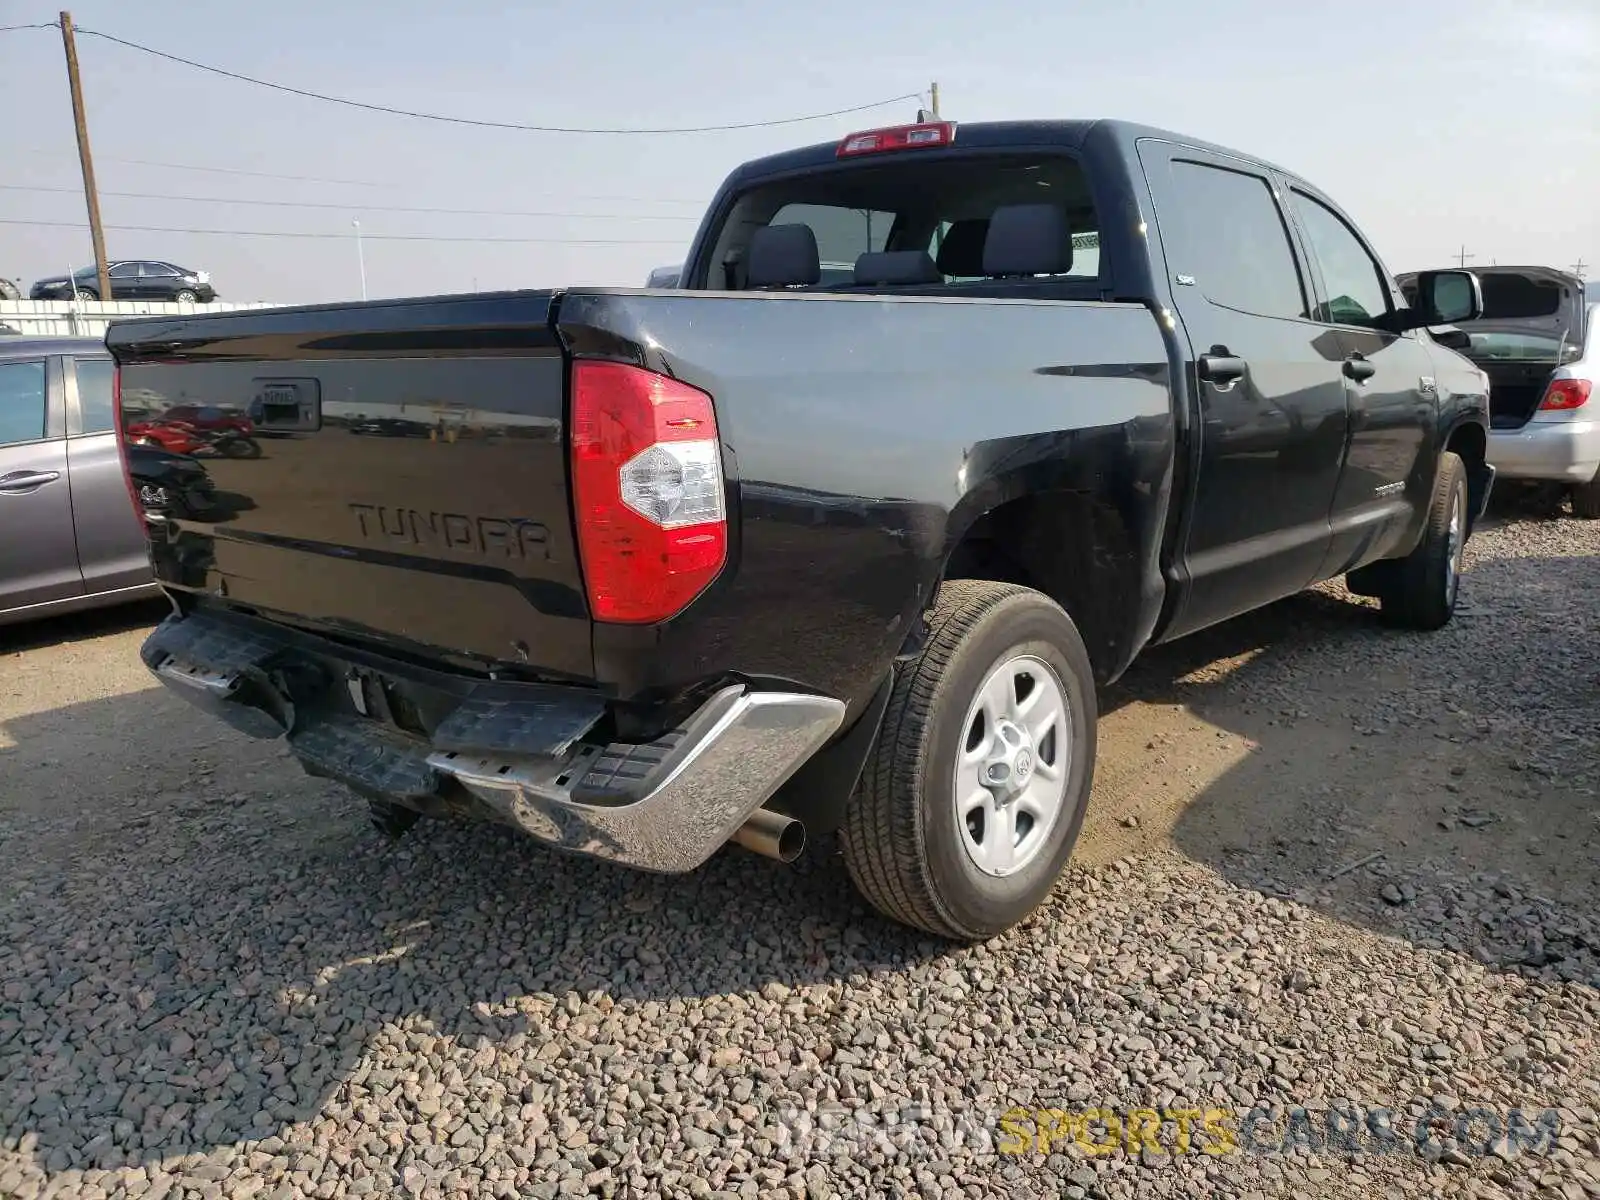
[[1563, 395], [122, 440], [898, 137], [647, 490]]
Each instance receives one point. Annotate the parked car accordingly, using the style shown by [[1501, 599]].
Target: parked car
[[1536, 340], [392, 427], [184, 437], [142, 279], [803, 556], [71, 536]]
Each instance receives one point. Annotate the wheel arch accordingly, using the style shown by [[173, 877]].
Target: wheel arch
[[1468, 439], [1072, 545]]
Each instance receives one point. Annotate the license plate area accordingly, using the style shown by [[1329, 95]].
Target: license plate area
[[287, 405]]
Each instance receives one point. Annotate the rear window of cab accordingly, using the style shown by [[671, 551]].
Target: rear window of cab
[[940, 206]]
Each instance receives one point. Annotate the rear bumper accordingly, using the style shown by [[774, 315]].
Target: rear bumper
[[525, 755], [1555, 451]]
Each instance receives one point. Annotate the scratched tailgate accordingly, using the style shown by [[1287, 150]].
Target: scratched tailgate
[[406, 481]]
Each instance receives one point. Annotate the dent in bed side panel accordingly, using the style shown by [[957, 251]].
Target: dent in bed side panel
[[867, 434]]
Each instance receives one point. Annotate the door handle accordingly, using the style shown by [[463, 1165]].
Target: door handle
[[1219, 367], [1358, 368], [20, 482]]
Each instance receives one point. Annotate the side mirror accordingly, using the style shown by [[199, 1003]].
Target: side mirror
[[1446, 298]]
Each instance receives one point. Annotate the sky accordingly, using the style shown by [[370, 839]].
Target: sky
[[1437, 124]]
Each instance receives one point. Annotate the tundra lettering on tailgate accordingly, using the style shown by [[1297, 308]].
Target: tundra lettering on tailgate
[[488, 537]]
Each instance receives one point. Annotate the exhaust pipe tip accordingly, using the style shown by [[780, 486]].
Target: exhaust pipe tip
[[773, 835]]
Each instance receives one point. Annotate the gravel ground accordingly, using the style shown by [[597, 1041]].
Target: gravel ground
[[1330, 870]]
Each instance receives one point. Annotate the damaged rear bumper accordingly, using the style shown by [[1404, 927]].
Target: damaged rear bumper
[[525, 754]]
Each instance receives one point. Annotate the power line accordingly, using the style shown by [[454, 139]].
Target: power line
[[38, 25], [453, 212], [370, 237], [423, 116]]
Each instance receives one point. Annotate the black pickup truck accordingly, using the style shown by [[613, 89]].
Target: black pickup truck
[[786, 548]]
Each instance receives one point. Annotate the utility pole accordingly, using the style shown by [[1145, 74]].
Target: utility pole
[[361, 258], [1579, 268], [933, 96], [91, 194], [1463, 256]]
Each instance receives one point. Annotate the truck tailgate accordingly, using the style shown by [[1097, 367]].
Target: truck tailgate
[[411, 482]]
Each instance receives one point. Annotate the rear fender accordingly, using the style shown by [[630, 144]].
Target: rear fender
[[1077, 515]]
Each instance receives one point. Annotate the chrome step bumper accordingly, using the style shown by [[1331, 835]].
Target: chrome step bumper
[[514, 754], [754, 742]]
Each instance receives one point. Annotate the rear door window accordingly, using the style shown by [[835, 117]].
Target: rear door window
[[94, 394], [22, 402], [1231, 241]]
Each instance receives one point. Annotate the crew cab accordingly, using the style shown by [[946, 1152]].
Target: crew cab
[[777, 551]]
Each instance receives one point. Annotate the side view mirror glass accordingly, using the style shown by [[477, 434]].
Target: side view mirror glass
[[1449, 297]]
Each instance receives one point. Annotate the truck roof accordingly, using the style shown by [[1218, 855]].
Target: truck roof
[[997, 135]]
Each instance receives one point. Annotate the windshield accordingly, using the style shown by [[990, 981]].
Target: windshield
[[940, 206]]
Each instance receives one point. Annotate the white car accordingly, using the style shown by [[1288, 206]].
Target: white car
[[1539, 343]]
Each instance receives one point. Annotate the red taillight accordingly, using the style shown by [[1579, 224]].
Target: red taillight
[[647, 489], [900, 137], [122, 440], [1563, 395]]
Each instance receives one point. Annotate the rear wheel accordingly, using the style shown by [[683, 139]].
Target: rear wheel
[[1586, 499], [1422, 590], [975, 791], [239, 447]]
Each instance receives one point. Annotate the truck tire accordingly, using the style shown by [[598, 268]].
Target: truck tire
[[972, 798], [1586, 500], [1421, 593]]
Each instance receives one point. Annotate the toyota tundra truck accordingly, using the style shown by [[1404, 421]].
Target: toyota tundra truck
[[784, 550]]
